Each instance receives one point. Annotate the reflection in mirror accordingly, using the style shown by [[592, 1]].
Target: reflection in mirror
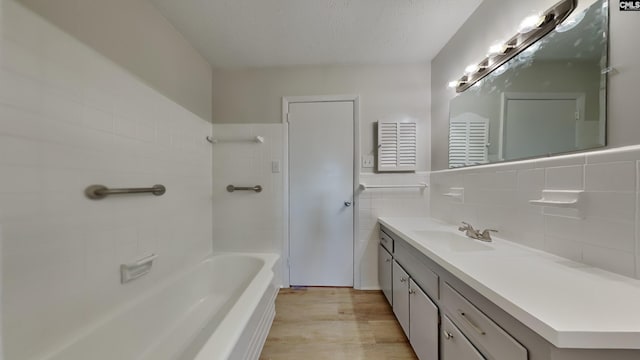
[[549, 99]]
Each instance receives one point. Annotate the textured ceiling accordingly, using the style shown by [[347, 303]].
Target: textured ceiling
[[256, 33]]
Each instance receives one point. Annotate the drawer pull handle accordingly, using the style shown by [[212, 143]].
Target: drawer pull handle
[[403, 279], [471, 323], [447, 335]]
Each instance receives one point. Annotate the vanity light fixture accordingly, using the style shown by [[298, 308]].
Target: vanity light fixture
[[532, 29]]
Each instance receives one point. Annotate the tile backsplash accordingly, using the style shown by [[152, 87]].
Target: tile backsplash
[[374, 203], [603, 234], [70, 118]]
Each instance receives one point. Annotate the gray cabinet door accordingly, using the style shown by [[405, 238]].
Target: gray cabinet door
[[454, 345], [385, 268], [401, 296], [423, 323]]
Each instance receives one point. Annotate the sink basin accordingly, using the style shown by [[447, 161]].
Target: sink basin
[[452, 241]]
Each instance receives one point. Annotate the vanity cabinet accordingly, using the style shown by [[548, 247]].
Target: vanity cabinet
[[423, 323], [446, 317], [454, 345], [401, 296], [480, 329], [439, 322], [385, 271], [416, 313]]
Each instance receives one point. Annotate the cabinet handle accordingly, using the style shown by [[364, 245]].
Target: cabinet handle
[[403, 279], [387, 260], [471, 323], [411, 291], [447, 335]]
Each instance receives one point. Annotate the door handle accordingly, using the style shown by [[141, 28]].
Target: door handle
[[347, 203]]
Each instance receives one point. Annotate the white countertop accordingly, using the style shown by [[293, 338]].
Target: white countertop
[[571, 305]]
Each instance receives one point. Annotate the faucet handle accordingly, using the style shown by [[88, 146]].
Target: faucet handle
[[485, 235], [465, 226]]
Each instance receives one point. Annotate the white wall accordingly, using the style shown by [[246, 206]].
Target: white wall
[[386, 92], [604, 235], [498, 19], [135, 35], [70, 118]]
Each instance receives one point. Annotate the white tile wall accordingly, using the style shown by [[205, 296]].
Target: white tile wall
[[605, 236], [70, 118], [376, 203], [247, 221]]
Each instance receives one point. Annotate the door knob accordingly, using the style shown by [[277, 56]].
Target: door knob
[[347, 203]]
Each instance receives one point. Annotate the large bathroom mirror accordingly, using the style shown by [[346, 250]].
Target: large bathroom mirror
[[549, 99]]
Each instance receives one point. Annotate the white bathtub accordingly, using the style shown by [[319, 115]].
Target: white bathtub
[[222, 308]]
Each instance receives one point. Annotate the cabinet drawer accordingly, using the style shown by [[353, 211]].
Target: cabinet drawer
[[386, 241], [421, 274], [454, 346], [486, 335]]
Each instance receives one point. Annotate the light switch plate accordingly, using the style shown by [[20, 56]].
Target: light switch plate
[[367, 161], [275, 166]]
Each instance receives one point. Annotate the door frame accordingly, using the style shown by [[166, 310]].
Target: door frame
[[506, 96], [286, 100]]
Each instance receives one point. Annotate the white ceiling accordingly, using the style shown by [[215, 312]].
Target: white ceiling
[[257, 33]]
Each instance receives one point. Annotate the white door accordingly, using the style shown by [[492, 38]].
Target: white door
[[321, 147]]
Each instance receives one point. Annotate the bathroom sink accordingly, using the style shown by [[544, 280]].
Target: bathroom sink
[[452, 241]]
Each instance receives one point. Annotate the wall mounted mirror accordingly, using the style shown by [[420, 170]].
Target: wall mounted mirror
[[549, 99]]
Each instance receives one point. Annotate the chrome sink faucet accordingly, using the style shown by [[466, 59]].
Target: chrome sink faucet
[[469, 231]]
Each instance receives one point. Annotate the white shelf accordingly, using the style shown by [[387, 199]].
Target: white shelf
[[399, 186], [561, 202], [256, 139]]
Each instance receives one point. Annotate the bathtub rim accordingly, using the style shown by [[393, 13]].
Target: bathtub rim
[[221, 342]]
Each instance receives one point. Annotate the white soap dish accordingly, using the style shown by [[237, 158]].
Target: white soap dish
[[565, 202]]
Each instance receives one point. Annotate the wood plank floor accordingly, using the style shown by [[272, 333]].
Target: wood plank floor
[[335, 323]]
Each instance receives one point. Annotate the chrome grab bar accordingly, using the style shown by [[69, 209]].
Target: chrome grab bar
[[232, 188], [97, 192]]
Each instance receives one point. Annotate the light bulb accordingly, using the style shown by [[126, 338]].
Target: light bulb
[[530, 23], [454, 84], [497, 49], [471, 68]]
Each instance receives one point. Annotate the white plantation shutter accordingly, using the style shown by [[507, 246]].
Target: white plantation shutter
[[397, 146], [468, 140]]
